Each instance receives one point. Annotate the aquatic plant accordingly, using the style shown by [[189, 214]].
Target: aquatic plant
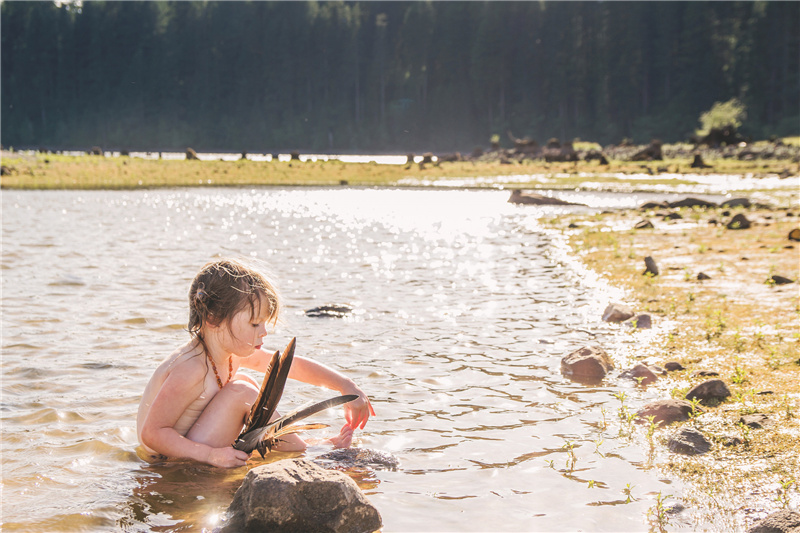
[[658, 513], [628, 492]]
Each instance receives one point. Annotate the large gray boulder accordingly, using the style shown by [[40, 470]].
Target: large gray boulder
[[785, 521], [590, 363], [299, 496]]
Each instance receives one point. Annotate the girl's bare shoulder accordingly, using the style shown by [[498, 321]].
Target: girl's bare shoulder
[[186, 363]]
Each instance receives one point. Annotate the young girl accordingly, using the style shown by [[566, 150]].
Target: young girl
[[196, 403]]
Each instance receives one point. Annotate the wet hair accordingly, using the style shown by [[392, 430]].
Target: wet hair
[[225, 287]]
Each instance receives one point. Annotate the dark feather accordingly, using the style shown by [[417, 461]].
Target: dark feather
[[264, 437], [271, 389]]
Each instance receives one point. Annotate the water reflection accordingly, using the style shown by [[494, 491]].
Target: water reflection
[[464, 307]]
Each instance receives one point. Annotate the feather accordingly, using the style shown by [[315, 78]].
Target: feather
[[264, 437], [271, 389], [259, 433]]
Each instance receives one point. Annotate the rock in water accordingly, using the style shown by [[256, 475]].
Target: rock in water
[[736, 202], [739, 221], [689, 441], [785, 521], [755, 421], [617, 313], [330, 310], [708, 391], [640, 373], [650, 266], [346, 458], [640, 321], [299, 496], [666, 411], [531, 198], [590, 363], [692, 202]]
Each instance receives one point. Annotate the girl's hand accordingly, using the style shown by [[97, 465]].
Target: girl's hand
[[227, 457], [358, 411]]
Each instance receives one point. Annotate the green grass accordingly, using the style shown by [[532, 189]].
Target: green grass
[[53, 171]]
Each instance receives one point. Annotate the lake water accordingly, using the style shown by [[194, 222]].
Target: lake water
[[464, 307]]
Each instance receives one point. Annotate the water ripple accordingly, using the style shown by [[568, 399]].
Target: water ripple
[[464, 307]]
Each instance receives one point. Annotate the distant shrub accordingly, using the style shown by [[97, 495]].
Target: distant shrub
[[722, 115]]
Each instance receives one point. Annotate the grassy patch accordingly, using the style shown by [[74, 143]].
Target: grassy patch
[[53, 171], [736, 323]]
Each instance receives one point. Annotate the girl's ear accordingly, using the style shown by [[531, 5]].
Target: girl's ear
[[212, 322]]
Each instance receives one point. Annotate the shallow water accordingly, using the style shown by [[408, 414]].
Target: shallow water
[[464, 307]]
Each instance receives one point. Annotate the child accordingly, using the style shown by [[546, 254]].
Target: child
[[196, 403]]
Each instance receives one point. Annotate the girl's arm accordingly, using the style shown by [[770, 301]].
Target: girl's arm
[[356, 412], [182, 386]]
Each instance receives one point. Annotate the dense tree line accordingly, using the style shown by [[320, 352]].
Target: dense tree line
[[398, 76]]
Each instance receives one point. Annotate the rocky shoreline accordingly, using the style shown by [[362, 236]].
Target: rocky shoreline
[[730, 369]]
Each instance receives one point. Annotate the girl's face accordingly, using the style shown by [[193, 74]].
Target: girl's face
[[246, 332]]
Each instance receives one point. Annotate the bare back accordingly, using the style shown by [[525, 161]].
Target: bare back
[[185, 360]]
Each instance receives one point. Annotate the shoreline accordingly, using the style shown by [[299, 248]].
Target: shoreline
[[500, 169], [736, 324]]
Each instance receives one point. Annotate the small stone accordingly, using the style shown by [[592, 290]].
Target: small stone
[[692, 202], [641, 321], [617, 313], [705, 373], [780, 280], [643, 224], [784, 521], [590, 363], [641, 373], [730, 440], [703, 275], [689, 441], [672, 216], [673, 366], [755, 421], [708, 391], [358, 458], [666, 411], [739, 221], [794, 235], [650, 266], [330, 310], [736, 202]]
